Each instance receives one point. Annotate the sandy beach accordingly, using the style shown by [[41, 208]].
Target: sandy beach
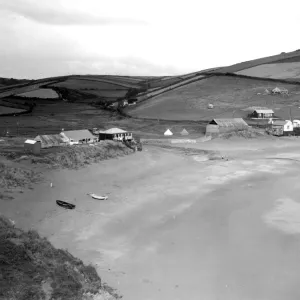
[[177, 226]]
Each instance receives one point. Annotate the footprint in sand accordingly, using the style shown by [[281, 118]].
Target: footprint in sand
[[145, 280]]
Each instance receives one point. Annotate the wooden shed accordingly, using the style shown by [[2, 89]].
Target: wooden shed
[[217, 126], [32, 146], [282, 127]]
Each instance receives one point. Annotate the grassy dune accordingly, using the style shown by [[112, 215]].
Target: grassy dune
[[14, 177], [63, 157], [31, 268]]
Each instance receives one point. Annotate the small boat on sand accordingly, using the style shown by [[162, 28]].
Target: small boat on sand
[[65, 204], [94, 196]]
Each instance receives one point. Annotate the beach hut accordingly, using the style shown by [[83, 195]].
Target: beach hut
[[32, 146], [168, 132], [184, 132]]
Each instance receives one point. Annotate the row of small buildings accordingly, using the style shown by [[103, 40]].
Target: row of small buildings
[[76, 137], [258, 116], [275, 127]]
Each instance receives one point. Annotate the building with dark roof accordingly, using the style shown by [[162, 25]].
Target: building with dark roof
[[217, 126]]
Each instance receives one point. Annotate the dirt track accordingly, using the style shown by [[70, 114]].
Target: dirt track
[[179, 226]]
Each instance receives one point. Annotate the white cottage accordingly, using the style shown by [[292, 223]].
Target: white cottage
[[282, 127]]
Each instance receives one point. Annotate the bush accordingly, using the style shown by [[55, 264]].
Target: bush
[[77, 156]]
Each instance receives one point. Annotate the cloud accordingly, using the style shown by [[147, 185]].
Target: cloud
[[56, 14], [120, 66], [39, 67]]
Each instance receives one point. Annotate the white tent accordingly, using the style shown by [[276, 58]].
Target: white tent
[[168, 132], [184, 132], [276, 90]]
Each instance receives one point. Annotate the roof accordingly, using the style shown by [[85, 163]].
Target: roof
[[264, 111], [280, 122], [30, 142], [113, 131], [234, 122], [255, 108], [78, 134], [51, 140]]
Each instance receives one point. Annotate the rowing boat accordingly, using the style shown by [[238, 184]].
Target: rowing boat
[[94, 196], [65, 204]]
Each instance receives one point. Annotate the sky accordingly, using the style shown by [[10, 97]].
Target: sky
[[44, 38]]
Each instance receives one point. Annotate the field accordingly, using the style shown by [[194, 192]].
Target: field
[[81, 84], [40, 93], [293, 56], [9, 110], [229, 95], [289, 70], [21, 88], [109, 93], [173, 85], [50, 117]]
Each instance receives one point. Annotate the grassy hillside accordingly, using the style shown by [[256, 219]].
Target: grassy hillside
[[4, 82], [31, 268], [256, 62], [290, 70], [229, 95]]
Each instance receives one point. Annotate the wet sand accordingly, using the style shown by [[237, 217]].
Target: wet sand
[[175, 227]]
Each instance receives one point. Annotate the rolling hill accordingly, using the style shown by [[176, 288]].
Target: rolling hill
[[183, 97]]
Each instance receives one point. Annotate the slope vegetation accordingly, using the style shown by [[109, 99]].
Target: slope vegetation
[[31, 268]]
